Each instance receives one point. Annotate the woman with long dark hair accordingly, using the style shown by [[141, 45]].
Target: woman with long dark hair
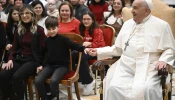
[[24, 55], [93, 38], [12, 23], [11, 26], [114, 18]]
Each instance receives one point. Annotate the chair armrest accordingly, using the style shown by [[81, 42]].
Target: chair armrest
[[99, 64], [164, 72]]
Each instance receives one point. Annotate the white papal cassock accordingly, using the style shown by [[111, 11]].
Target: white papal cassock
[[133, 76]]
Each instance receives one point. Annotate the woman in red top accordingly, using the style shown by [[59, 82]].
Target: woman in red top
[[67, 23], [98, 7], [93, 38]]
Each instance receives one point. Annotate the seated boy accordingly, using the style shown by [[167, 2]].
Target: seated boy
[[57, 62]]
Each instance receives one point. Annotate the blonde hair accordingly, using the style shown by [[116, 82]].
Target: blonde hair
[[33, 27]]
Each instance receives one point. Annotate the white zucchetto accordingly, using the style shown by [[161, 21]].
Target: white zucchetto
[[149, 3]]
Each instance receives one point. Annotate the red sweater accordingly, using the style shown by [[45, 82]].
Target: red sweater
[[97, 38], [71, 27], [98, 10]]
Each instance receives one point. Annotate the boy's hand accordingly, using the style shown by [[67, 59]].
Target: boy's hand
[[39, 69]]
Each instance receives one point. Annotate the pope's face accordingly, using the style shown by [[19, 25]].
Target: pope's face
[[138, 11]]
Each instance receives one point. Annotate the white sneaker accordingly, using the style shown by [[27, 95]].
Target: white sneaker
[[89, 88], [73, 88]]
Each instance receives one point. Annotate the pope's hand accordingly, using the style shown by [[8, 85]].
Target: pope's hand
[[9, 65], [93, 52], [39, 69], [160, 65]]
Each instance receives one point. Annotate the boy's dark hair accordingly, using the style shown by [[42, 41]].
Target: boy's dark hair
[[51, 22]]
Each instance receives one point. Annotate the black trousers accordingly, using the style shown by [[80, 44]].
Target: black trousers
[[12, 81], [84, 71], [57, 72]]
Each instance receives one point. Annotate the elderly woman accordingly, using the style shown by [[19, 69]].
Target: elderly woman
[[23, 58]]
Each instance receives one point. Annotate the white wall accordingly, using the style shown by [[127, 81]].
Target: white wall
[[170, 2]]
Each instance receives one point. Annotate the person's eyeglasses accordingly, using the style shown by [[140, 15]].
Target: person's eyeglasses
[[26, 13], [88, 19], [50, 4]]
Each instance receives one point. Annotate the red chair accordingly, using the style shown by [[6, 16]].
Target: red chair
[[4, 24], [108, 34]]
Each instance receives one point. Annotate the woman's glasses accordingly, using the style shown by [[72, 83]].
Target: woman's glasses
[[26, 13]]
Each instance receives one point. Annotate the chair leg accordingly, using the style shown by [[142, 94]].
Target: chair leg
[[77, 90], [37, 95], [25, 91], [69, 90], [30, 89], [95, 88], [169, 95]]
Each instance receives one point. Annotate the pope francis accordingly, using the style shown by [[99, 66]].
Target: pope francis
[[145, 44]]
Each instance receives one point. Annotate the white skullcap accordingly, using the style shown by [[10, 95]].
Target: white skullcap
[[149, 3]]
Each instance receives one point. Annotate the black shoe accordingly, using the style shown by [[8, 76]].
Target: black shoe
[[50, 97]]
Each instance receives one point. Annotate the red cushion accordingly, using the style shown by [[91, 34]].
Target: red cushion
[[92, 61], [108, 35], [69, 75]]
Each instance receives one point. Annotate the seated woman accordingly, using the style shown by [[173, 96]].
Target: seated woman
[[67, 21], [40, 12], [12, 25], [114, 18], [93, 38], [23, 58]]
